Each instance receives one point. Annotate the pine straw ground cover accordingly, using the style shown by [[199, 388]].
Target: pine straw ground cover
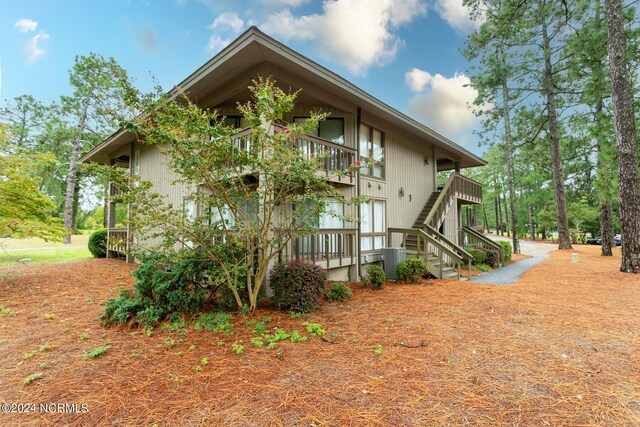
[[560, 347]]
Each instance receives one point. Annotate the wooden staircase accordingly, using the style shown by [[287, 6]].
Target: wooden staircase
[[428, 242]]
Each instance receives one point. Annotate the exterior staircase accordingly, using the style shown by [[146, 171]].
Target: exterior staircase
[[444, 257]]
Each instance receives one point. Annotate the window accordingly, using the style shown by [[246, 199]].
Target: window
[[136, 162], [331, 129], [371, 149], [373, 231], [190, 209], [237, 122], [248, 207], [332, 217]]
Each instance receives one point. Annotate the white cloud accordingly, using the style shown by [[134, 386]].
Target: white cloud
[[25, 25], [225, 27], [457, 15], [228, 20], [445, 107], [217, 43], [417, 79], [33, 48], [354, 33], [286, 3]]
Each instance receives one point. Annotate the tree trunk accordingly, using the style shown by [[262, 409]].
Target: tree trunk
[[71, 177], [506, 215], [76, 204], [495, 205], [508, 153], [606, 228], [486, 220], [531, 229], [626, 144], [564, 237], [606, 212]]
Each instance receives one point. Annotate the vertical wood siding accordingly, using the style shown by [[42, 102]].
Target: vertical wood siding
[[404, 168]]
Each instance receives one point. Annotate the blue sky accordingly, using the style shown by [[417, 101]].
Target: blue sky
[[404, 52]]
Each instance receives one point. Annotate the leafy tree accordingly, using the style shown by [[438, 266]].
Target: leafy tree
[[97, 97], [257, 199], [24, 211], [25, 115]]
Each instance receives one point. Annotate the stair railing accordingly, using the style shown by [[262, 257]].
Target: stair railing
[[439, 248], [456, 186], [475, 238]]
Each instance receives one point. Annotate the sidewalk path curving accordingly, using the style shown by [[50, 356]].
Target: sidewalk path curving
[[509, 274]]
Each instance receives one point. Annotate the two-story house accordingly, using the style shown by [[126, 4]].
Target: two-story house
[[405, 207]]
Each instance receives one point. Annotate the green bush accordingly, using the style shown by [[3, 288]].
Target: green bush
[[168, 285], [339, 292], [411, 270], [479, 255], [507, 251], [121, 309], [297, 286], [493, 258], [98, 243], [483, 267], [375, 277]]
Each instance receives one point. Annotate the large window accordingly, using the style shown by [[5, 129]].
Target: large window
[[247, 207], [371, 149], [331, 129], [373, 228], [332, 217], [237, 122]]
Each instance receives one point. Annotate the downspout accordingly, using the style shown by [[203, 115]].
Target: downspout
[[358, 263]]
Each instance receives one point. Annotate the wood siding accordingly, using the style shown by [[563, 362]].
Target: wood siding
[[404, 168]]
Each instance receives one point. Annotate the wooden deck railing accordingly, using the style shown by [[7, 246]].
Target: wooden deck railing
[[457, 187], [115, 190], [324, 246], [330, 157], [117, 240]]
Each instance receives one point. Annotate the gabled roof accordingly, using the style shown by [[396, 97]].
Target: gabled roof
[[253, 48]]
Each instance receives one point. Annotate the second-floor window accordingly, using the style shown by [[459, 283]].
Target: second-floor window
[[371, 150], [237, 122], [331, 129]]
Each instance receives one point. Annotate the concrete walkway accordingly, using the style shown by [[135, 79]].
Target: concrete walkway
[[509, 274]]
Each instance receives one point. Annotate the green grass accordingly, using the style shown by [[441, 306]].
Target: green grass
[[35, 243], [43, 256]]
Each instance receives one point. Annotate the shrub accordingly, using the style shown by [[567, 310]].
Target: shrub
[[339, 292], [507, 251], [163, 286], [493, 257], [479, 255], [297, 286], [411, 270], [375, 277], [483, 267], [98, 243]]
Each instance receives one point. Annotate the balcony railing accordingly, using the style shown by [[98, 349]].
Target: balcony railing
[[117, 240], [115, 190], [330, 157], [333, 247]]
